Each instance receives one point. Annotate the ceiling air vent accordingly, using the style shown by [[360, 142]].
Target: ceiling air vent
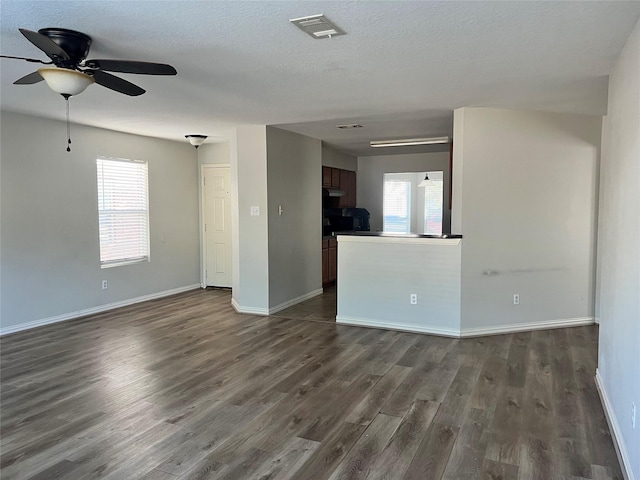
[[318, 26], [349, 125]]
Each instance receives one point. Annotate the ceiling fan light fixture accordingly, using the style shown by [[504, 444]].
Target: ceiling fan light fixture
[[196, 140], [408, 142], [65, 81]]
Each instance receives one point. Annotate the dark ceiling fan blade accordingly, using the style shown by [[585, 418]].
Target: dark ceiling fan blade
[[32, 60], [44, 43], [30, 79], [115, 83], [129, 66]]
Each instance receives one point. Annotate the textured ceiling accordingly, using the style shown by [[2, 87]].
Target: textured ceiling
[[400, 70]]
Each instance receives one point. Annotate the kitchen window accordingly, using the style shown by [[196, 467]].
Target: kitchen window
[[123, 211], [396, 205]]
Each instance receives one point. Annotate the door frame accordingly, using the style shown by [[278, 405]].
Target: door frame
[[203, 243]]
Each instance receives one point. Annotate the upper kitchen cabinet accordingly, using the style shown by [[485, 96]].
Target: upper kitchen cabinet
[[326, 176], [344, 180]]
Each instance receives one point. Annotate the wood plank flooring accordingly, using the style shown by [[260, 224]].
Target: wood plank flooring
[[185, 388]]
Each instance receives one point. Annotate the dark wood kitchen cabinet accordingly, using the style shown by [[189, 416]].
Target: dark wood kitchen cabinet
[[326, 176], [335, 177], [345, 180], [329, 260]]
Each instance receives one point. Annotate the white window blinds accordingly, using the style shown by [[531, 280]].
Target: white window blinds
[[123, 211], [396, 206]]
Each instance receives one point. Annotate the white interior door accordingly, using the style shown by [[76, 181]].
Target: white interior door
[[217, 226]]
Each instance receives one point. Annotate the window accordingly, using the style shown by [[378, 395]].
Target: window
[[433, 204], [123, 211], [396, 205]]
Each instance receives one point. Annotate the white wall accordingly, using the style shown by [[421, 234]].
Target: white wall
[[526, 205], [250, 289], [370, 179], [336, 159], [619, 252], [50, 261], [295, 238]]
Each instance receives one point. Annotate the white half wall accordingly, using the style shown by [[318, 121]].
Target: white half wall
[[50, 256], [619, 254], [377, 275], [294, 174], [370, 180], [526, 207]]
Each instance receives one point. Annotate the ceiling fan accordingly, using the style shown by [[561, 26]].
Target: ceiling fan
[[68, 50], [72, 73]]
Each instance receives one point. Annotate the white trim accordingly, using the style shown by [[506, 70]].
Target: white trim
[[614, 426], [398, 239], [616, 432], [366, 322], [295, 301], [249, 310], [526, 327], [94, 310], [270, 311], [472, 332]]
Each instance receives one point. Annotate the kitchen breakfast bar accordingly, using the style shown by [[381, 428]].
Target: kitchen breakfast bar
[[404, 282]]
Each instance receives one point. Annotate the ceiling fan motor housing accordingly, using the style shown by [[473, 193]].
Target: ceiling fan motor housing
[[76, 44]]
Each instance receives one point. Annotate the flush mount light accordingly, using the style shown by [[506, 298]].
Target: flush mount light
[[349, 125], [196, 140], [317, 26], [409, 142]]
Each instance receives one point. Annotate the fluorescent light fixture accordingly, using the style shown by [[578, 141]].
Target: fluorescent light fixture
[[409, 142]]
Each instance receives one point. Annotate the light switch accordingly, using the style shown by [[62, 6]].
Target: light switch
[[255, 211]]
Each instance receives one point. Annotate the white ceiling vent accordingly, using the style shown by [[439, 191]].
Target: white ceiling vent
[[318, 26]]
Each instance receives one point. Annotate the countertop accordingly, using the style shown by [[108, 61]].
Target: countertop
[[396, 235]]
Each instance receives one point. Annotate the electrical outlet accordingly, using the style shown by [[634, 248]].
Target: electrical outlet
[[413, 299], [516, 299], [633, 415], [104, 284]]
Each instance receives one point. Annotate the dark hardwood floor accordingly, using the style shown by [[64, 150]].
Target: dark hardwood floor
[[185, 388]]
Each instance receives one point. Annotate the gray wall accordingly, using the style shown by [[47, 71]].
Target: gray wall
[[214, 153], [526, 206], [249, 233], [50, 263], [619, 251], [294, 182], [336, 159], [370, 179]]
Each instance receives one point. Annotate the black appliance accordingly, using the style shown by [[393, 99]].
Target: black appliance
[[345, 220]]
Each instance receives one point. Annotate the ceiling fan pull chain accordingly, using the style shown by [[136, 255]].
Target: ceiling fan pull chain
[[66, 97]]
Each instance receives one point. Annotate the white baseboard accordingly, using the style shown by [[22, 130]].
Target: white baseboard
[[614, 426], [365, 322], [94, 310], [526, 327], [270, 311], [295, 301], [468, 332], [248, 310]]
